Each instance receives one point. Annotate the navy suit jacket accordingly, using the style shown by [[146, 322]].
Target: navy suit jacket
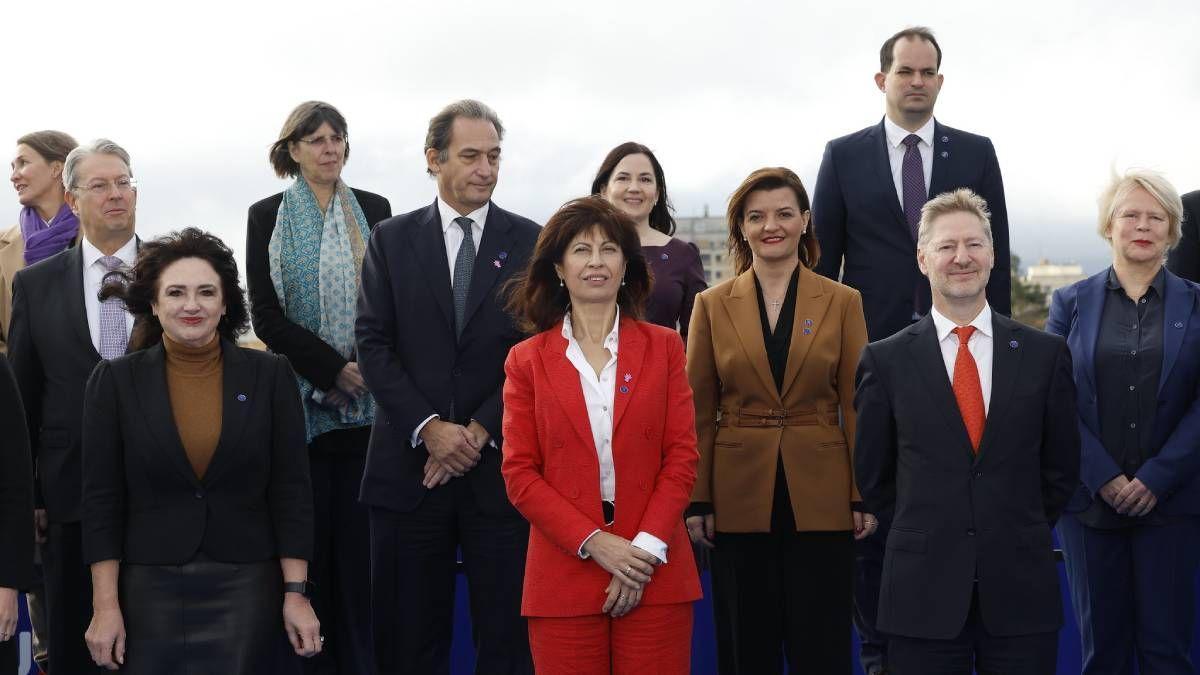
[[959, 516], [1185, 258], [411, 360], [865, 240], [1173, 471]]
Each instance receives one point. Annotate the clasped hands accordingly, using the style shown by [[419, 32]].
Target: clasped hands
[[453, 450], [348, 387], [630, 566], [1128, 497]]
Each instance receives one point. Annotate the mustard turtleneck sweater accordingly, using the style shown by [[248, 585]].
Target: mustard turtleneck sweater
[[194, 380]]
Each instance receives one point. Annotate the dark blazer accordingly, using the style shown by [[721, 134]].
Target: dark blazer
[[16, 487], [865, 240], [51, 352], [411, 360], [1173, 472], [311, 356], [957, 516], [1184, 259], [142, 502]]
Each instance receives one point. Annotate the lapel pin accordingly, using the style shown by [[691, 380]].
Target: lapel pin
[[624, 389], [496, 264], [1012, 344], [241, 397], [1179, 324], [945, 139], [808, 322], [665, 256], [807, 331], [945, 154], [628, 377], [502, 255]]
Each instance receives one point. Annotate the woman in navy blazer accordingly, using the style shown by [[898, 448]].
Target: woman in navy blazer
[[1132, 532], [197, 502]]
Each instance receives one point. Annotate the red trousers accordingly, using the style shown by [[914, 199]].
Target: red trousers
[[650, 640]]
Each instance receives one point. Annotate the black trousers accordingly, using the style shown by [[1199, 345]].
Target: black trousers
[[413, 576], [974, 651], [341, 566], [68, 600], [203, 618], [783, 593]]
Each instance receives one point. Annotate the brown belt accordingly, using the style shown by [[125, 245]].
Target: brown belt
[[779, 417]]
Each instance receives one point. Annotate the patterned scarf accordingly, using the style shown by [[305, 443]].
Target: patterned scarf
[[328, 248]]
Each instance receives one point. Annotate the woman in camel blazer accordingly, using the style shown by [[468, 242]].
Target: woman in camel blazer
[[771, 359]]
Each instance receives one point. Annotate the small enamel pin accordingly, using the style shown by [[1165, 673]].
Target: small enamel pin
[[808, 331], [945, 139], [945, 154], [808, 322], [1179, 324], [502, 255], [664, 256], [624, 389], [1012, 344], [496, 264], [241, 397], [628, 377]]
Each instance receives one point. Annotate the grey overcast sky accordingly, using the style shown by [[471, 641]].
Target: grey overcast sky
[[196, 92]]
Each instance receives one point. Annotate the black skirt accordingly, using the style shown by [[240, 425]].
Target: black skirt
[[204, 618]]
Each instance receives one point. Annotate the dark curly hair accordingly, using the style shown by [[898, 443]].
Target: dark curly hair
[[139, 289]]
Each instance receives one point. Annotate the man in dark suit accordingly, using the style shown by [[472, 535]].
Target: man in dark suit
[[432, 339], [968, 442], [60, 331], [866, 207], [1184, 259]]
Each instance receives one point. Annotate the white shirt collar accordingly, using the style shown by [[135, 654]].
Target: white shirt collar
[[982, 322], [610, 341], [127, 253], [896, 134], [448, 214]]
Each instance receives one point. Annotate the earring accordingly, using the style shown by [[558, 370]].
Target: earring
[[560, 282], [622, 281]]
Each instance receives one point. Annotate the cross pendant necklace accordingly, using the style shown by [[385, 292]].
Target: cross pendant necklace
[[775, 304]]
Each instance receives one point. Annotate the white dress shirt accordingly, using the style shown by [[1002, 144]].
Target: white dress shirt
[[599, 393], [896, 148], [980, 347], [93, 279], [453, 235]]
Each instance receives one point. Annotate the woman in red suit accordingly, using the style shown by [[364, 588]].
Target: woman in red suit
[[600, 454]]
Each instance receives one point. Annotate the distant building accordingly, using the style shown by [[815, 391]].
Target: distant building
[[711, 236], [1053, 276]]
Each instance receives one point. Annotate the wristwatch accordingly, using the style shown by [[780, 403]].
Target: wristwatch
[[304, 588]]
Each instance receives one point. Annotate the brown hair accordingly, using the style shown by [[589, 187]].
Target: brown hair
[[305, 119], [771, 178], [441, 126], [887, 53], [538, 300], [660, 214], [53, 146]]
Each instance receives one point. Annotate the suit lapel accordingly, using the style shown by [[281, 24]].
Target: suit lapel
[[430, 244], [564, 380], [927, 356], [76, 310], [811, 305], [883, 171], [497, 240], [943, 154], [150, 376], [238, 376], [1006, 363], [1177, 310], [741, 305], [631, 351], [1089, 305]]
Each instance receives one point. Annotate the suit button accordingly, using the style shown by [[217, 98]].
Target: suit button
[[456, 372], [971, 532], [979, 474], [199, 494]]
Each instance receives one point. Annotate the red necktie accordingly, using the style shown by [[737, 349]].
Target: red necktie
[[967, 389]]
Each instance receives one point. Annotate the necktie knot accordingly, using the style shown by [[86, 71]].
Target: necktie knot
[[911, 140], [111, 263], [465, 224], [964, 334]]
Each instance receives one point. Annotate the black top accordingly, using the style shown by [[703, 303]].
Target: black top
[[1129, 355], [780, 341]]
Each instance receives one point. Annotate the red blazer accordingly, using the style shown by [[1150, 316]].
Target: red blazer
[[552, 472]]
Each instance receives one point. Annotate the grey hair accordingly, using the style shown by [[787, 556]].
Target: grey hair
[[438, 137], [100, 146], [961, 200], [1118, 189]]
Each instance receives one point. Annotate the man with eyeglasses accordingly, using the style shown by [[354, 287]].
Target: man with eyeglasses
[[60, 331]]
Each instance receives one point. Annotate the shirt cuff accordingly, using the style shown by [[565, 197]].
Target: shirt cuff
[[582, 554], [416, 436], [652, 545]]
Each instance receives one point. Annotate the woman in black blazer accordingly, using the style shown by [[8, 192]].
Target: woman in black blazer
[[16, 514], [316, 231], [197, 507]]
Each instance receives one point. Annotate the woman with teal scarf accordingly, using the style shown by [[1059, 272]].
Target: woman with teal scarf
[[304, 250]]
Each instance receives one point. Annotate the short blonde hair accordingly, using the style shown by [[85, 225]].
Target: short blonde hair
[[961, 200], [1118, 189]]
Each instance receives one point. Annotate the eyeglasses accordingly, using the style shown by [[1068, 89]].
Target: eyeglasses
[[100, 188], [336, 139]]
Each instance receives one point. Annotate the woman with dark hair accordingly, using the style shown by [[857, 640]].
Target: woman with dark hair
[[771, 358], [47, 224], [304, 252], [197, 510], [599, 454], [632, 180]]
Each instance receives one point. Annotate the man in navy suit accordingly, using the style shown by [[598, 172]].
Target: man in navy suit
[[866, 207], [1184, 259], [432, 338]]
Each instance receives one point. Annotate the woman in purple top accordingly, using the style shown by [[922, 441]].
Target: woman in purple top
[[631, 179]]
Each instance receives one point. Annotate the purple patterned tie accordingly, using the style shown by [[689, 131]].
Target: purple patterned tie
[[113, 338], [913, 179]]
